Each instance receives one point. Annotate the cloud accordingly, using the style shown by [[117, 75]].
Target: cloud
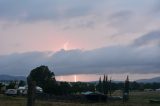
[[115, 59], [156, 8], [20, 64], [120, 17], [54, 9], [44, 9], [90, 25], [151, 38]]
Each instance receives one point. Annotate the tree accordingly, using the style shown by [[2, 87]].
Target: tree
[[100, 86], [104, 84], [1, 87], [110, 86], [135, 86], [11, 85], [126, 90], [40, 76], [51, 87], [64, 88], [21, 83], [126, 85]]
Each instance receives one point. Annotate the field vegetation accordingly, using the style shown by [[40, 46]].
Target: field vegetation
[[136, 99]]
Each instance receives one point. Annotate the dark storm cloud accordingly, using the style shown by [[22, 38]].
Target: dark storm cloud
[[116, 59], [110, 60], [151, 37], [20, 64]]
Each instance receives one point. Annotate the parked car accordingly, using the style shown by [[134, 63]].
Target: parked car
[[39, 89], [23, 90], [11, 92]]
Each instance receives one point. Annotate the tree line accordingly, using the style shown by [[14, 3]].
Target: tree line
[[46, 79]]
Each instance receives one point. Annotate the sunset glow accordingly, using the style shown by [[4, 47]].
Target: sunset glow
[[95, 77]]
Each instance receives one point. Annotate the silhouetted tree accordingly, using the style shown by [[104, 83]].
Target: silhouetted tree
[[1, 86], [11, 85], [21, 83], [64, 88], [104, 85], [126, 85], [51, 87], [110, 87], [126, 90], [100, 85], [135, 86], [40, 76]]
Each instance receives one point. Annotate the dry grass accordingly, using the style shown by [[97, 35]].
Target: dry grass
[[136, 99]]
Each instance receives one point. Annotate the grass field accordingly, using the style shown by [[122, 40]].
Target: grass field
[[136, 99]]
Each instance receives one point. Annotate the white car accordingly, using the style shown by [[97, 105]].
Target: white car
[[23, 90], [11, 92]]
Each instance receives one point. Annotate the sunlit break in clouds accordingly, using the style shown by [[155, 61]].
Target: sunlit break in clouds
[[75, 38]]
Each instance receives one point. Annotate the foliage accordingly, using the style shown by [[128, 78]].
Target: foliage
[[41, 75], [82, 87], [1, 85], [11, 85], [51, 87], [99, 86], [21, 83], [136, 99], [126, 85], [103, 86]]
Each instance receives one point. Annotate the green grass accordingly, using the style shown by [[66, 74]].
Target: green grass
[[136, 99]]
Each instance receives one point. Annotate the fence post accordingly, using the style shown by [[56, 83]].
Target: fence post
[[31, 92]]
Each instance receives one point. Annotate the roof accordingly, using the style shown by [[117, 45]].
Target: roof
[[22, 88], [87, 93], [91, 93]]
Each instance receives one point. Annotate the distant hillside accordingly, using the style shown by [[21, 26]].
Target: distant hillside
[[9, 77], [156, 79]]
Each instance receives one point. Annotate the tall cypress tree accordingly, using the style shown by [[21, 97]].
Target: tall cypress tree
[[126, 85], [110, 86], [126, 90], [104, 84], [100, 85]]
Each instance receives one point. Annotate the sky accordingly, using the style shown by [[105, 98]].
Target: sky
[[75, 37]]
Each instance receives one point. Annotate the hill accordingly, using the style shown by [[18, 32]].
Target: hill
[[9, 77], [156, 79]]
